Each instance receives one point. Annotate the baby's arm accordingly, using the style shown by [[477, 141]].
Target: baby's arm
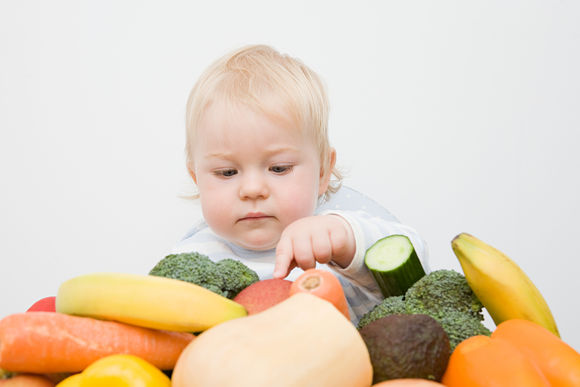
[[340, 238], [368, 229], [363, 231], [319, 238]]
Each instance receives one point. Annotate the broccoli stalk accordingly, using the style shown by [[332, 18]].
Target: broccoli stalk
[[443, 295], [226, 277]]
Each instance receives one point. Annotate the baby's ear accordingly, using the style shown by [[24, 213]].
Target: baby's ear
[[191, 171], [326, 172]]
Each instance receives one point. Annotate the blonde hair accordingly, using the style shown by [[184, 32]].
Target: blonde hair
[[274, 84]]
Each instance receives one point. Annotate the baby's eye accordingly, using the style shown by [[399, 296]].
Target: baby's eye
[[281, 169], [226, 172]]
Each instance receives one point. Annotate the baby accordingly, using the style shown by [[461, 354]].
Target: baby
[[258, 151]]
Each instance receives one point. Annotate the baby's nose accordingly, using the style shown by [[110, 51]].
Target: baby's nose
[[253, 186]]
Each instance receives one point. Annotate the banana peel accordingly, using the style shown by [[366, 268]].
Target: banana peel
[[500, 284]]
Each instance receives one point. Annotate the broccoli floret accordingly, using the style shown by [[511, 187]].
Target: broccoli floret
[[237, 276], [390, 305], [443, 295], [191, 267], [440, 292], [226, 279], [460, 326]]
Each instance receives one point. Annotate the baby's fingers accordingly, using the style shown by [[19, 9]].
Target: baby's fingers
[[322, 247], [303, 253], [284, 258]]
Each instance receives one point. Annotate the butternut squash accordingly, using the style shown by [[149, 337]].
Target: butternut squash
[[302, 341]]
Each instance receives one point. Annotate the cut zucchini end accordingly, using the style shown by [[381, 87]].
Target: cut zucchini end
[[388, 253], [394, 264]]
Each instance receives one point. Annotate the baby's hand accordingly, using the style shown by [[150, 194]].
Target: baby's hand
[[314, 239]]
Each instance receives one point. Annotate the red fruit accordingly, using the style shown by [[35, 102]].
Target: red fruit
[[263, 294], [46, 304]]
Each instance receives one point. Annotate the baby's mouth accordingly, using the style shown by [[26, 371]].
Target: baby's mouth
[[254, 216]]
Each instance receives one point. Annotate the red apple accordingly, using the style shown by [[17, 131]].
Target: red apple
[[263, 294], [46, 304]]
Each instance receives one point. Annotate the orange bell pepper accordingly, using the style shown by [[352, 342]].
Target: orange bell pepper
[[558, 361], [483, 361]]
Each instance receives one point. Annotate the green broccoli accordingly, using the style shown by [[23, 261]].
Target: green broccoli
[[440, 292], [227, 277], [237, 276], [443, 295], [390, 305], [460, 326]]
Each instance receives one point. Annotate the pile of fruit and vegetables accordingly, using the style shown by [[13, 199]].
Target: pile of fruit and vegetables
[[193, 322]]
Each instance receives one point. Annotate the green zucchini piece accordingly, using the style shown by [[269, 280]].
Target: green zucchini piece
[[394, 264]]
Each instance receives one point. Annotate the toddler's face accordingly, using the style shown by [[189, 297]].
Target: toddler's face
[[255, 175]]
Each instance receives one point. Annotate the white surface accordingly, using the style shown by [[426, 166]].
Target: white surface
[[457, 116]]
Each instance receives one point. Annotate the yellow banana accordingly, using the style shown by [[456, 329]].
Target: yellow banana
[[146, 300], [500, 284]]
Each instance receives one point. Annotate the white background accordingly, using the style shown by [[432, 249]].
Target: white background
[[458, 116]]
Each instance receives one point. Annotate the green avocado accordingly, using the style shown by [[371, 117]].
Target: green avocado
[[406, 346]]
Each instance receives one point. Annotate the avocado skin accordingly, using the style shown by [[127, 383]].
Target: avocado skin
[[407, 346]]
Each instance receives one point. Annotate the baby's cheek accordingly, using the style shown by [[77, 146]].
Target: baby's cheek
[[298, 205], [216, 213]]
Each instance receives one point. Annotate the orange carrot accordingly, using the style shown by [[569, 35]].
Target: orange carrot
[[49, 342], [559, 362], [323, 284], [26, 381]]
